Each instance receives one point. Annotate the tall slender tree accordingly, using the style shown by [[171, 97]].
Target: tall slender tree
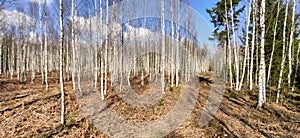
[[61, 62], [163, 46], [274, 41], [291, 40], [283, 52]]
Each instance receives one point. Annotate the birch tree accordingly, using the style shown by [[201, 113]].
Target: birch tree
[[262, 69], [73, 46], [252, 45], [163, 46], [178, 44], [45, 46], [61, 62], [246, 47], [291, 44], [283, 52], [297, 66], [106, 50], [102, 62], [237, 69], [274, 41], [228, 45]]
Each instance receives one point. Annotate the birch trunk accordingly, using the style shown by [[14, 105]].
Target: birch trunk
[[262, 69], [283, 52], [291, 44], [296, 70], [73, 46], [102, 62], [237, 69], [163, 46], [229, 46], [41, 43], [106, 50], [96, 55], [246, 47], [178, 44], [274, 42], [45, 47], [172, 37], [61, 62]]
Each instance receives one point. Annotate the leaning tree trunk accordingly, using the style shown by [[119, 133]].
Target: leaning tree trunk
[[61, 62], [274, 42], [246, 48], [283, 52]]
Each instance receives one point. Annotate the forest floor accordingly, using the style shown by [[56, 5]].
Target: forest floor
[[27, 110]]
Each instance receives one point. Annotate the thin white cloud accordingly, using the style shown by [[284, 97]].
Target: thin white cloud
[[15, 18]]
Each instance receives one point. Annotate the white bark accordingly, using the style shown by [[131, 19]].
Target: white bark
[[178, 44], [41, 43], [45, 47], [283, 52], [262, 69], [291, 44], [274, 42], [237, 69], [102, 62], [61, 63], [172, 37], [246, 47], [163, 46], [106, 51], [229, 46], [252, 45], [73, 46], [296, 70], [96, 57]]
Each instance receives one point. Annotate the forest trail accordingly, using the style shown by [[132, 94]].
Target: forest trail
[[27, 110]]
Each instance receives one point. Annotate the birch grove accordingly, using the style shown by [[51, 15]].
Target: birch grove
[[111, 43]]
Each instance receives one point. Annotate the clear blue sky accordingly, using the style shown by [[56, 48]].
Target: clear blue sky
[[202, 5]]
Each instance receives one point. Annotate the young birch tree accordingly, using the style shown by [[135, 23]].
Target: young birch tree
[[45, 45], [274, 42], [106, 50], [228, 45], [283, 52], [296, 70], [252, 44], [178, 43], [235, 50], [163, 46], [102, 62], [291, 44], [73, 46], [61, 62], [246, 47]]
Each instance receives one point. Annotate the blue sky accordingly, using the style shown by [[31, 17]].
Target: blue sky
[[202, 5], [198, 5]]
